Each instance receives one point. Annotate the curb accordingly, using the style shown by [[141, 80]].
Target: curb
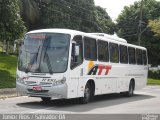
[[8, 93]]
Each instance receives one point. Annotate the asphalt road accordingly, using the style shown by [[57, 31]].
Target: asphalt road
[[145, 101]]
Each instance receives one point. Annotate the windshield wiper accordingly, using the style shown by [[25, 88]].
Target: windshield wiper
[[48, 63], [47, 58], [30, 64]]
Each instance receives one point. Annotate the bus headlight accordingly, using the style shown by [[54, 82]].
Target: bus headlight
[[59, 82], [19, 80]]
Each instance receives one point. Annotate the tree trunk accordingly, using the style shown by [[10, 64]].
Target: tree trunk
[[7, 47], [4, 44]]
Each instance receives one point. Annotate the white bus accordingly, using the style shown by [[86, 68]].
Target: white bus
[[64, 64]]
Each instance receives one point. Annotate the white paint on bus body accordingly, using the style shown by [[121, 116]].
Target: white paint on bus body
[[109, 78]]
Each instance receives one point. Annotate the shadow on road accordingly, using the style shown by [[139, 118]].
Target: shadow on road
[[72, 105]]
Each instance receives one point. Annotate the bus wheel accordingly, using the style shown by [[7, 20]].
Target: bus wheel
[[87, 94], [46, 99], [130, 92]]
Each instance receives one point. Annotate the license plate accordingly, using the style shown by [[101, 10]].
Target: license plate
[[37, 88]]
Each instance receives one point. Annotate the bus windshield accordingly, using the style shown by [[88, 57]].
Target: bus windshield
[[44, 53]]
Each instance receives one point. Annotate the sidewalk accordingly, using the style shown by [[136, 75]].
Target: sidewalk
[[7, 93]]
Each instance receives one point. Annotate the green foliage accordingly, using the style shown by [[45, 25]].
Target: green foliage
[[155, 26], [68, 14], [11, 25], [104, 21], [73, 14], [128, 27], [153, 82], [7, 71], [154, 74], [30, 12], [77, 14]]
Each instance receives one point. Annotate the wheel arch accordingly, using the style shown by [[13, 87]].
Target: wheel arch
[[91, 82]]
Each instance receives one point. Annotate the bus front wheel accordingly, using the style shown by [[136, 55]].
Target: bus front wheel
[[87, 94], [46, 99]]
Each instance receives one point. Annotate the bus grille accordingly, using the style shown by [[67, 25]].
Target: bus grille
[[43, 84], [31, 83]]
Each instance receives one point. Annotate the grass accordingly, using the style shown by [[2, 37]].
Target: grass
[[153, 81], [8, 64]]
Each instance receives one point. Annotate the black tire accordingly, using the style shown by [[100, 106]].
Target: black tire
[[130, 91], [46, 99], [87, 94]]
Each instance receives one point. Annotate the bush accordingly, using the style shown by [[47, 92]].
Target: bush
[[154, 74]]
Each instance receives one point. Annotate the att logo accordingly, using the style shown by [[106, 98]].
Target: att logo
[[98, 69]]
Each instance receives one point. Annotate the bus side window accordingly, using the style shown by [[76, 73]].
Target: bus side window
[[77, 60], [144, 57], [123, 54], [90, 48], [131, 52], [103, 54], [139, 56], [114, 52]]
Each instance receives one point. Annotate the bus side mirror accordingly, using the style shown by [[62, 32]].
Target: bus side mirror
[[75, 53], [75, 49]]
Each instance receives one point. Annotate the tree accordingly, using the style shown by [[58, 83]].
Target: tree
[[104, 21], [73, 14], [128, 24], [11, 25], [155, 26], [31, 12]]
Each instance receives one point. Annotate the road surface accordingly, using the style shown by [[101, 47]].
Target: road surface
[[145, 101]]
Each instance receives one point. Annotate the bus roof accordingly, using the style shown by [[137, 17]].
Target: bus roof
[[103, 36], [51, 30], [113, 37]]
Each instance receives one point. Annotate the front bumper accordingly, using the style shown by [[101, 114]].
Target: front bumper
[[57, 92]]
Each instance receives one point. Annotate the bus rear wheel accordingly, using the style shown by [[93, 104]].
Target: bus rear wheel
[[46, 99], [130, 91], [87, 94]]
